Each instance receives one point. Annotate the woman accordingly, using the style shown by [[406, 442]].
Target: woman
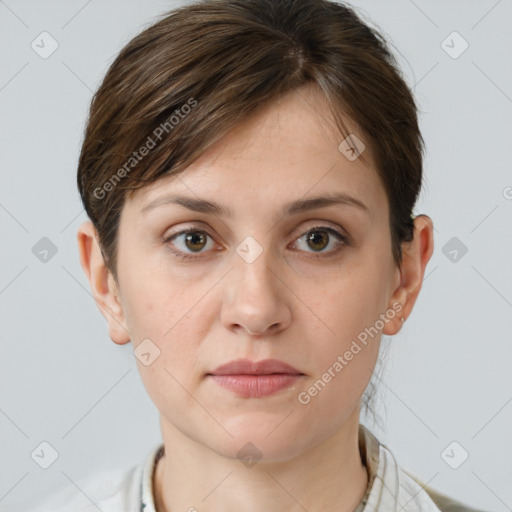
[[250, 169]]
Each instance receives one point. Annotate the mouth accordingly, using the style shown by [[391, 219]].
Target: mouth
[[248, 367], [255, 379]]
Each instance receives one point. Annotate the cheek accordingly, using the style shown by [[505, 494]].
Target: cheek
[[174, 326], [153, 304], [351, 301], [342, 363], [175, 316], [349, 308]]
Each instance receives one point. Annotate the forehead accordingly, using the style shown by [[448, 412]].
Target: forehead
[[288, 149]]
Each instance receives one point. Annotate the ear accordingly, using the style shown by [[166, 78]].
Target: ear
[[103, 286], [415, 256]]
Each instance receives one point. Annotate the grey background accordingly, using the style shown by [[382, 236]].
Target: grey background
[[447, 377]]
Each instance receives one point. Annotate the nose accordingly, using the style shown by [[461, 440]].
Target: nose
[[255, 298]]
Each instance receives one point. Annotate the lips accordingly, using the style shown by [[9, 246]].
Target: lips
[[256, 379], [248, 367]]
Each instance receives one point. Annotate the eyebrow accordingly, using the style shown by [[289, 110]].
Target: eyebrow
[[293, 208]]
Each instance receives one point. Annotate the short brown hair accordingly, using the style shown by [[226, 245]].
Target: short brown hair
[[207, 66]]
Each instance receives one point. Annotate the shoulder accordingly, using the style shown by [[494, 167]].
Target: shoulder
[[394, 488], [414, 495], [444, 503], [109, 491]]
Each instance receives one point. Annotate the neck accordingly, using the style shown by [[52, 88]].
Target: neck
[[328, 476]]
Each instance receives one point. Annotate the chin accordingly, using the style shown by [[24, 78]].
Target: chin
[[267, 441]]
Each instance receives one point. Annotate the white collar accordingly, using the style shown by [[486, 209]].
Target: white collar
[[389, 487]]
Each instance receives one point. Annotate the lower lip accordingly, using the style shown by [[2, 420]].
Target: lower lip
[[255, 386]]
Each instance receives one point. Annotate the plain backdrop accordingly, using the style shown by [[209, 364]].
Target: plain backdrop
[[448, 374]]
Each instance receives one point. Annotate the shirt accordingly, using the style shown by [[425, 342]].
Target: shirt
[[390, 488]]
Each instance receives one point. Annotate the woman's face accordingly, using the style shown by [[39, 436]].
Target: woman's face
[[262, 280]]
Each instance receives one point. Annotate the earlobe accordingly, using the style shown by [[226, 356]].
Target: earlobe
[[415, 256], [103, 286]]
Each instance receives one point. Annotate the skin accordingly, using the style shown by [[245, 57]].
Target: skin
[[301, 303]]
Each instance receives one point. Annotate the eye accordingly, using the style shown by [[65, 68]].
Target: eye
[[194, 240], [319, 237]]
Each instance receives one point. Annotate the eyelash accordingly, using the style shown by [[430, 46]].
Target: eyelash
[[183, 255]]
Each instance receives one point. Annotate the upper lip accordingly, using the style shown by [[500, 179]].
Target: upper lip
[[248, 367]]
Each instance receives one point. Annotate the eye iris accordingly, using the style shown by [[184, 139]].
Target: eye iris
[[193, 237], [315, 239]]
